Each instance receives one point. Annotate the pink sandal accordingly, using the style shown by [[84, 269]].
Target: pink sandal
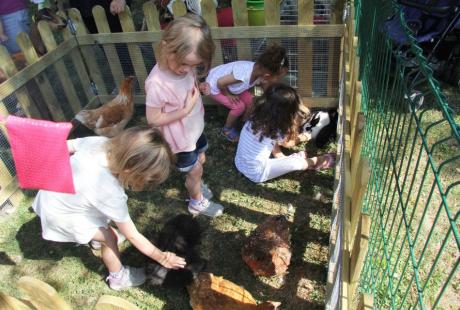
[[329, 162]]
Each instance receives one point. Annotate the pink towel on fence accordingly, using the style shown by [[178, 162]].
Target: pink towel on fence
[[40, 154]]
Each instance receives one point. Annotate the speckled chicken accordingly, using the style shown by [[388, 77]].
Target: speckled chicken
[[209, 292], [111, 118]]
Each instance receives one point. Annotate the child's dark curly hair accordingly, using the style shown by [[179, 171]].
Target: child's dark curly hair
[[274, 58], [275, 112]]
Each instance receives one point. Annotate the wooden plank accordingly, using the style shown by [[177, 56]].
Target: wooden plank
[[366, 302], [107, 302], [240, 12], [95, 73], [345, 278], [77, 59], [61, 70], [10, 303], [43, 83], [272, 12], [359, 191], [305, 48], [179, 8], [42, 295], [242, 32], [208, 10], [135, 53], [240, 18], [152, 20], [151, 15], [306, 12], [356, 142], [110, 51], [354, 121], [332, 68], [310, 102], [337, 12], [359, 252], [9, 68], [8, 184]]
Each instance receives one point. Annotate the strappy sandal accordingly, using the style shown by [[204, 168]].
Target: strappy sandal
[[329, 162], [230, 134]]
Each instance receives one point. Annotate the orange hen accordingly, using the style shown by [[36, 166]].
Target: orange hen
[[209, 292], [111, 118]]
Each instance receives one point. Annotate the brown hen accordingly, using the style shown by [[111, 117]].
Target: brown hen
[[267, 251], [111, 118]]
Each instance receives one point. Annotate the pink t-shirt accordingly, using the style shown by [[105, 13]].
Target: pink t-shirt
[[168, 92]]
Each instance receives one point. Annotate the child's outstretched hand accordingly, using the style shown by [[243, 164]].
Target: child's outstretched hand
[[191, 100], [117, 6], [172, 261], [205, 88]]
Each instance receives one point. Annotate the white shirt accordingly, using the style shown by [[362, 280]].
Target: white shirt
[[99, 197], [252, 154], [241, 71]]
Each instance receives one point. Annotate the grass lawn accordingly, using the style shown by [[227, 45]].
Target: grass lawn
[[78, 275]]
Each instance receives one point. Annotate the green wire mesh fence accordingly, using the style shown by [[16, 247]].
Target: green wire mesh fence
[[412, 140]]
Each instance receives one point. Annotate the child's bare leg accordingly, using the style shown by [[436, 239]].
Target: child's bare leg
[[193, 181], [277, 153], [231, 120], [109, 248], [202, 158]]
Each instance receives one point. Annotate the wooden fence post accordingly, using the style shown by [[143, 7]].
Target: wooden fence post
[[43, 83], [61, 70], [135, 53], [359, 189], [208, 10], [93, 67], [240, 18], [359, 252], [305, 47], [179, 8], [152, 20], [42, 295], [366, 302], [110, 51]]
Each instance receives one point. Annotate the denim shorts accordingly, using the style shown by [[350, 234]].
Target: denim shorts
[[186, 160], [13, 24]]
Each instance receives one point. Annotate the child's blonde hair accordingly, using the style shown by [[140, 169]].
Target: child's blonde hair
[[177, 39], [140, 158]]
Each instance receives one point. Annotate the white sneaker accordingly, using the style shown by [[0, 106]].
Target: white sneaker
[[131, 277], [206, 207], [205, 191], [96, 245]]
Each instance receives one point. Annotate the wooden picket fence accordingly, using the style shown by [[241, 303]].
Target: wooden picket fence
[[40, 296], [350, 226]]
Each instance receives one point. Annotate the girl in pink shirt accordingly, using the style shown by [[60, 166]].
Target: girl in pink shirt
[[174, 103]]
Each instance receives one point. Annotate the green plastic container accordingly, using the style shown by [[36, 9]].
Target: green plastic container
[[256, 12]]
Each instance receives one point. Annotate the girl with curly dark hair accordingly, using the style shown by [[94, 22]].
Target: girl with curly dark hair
[[274, 121]]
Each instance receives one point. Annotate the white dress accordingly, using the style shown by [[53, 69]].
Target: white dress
[[253, 157], [99, 197], [241, 71]]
